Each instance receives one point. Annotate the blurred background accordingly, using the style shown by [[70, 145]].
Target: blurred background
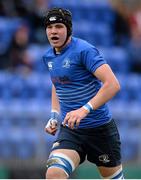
[[25, 88]]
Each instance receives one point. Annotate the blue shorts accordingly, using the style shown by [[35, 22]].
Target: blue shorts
[[101, 145]]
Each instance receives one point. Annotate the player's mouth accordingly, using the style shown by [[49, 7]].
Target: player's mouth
[[54, 39]]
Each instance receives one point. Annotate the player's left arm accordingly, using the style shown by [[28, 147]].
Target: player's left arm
[[107, 91], [109, 87]]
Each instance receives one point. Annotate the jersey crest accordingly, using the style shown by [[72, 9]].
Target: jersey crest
[[50, 63], [66, 63]]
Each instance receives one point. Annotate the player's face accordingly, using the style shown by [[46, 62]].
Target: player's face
[[56, 34]]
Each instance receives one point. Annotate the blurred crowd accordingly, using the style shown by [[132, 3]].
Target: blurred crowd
[[30, 29], [129, 24]]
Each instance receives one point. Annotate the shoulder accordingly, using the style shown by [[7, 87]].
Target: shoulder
[[48, 54], [82, 45]]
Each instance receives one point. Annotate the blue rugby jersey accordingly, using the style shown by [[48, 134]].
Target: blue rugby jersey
[[71, 73]]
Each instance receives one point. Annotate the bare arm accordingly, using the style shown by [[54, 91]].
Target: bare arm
[[54, 100], [52, 124], [109, 88]]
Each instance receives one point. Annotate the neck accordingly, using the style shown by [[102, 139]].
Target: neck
[[58, 50]]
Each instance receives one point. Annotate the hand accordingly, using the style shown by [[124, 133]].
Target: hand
[[73, 118], [52, 126]]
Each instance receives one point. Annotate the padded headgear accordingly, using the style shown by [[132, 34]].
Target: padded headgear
[[59, 15]]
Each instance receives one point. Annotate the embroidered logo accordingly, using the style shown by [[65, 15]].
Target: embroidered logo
[[50, 65], [104, 158], [55, 144], [66, 63], [53, 18]]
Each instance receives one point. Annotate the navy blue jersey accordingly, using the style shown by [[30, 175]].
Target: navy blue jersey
[[71, 73]]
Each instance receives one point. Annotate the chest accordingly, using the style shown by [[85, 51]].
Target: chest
[[65, 66]]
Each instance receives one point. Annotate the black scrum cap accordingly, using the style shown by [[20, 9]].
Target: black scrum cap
[[59, 15]]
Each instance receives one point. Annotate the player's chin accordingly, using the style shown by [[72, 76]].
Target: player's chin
[[57, 44], [54, 43]]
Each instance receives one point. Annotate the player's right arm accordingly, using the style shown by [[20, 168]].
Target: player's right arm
[[52, 124]]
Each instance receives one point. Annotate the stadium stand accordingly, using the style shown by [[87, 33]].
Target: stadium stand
[[25, 94]]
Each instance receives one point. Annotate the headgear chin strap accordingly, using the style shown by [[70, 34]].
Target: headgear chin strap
[[60, 15]]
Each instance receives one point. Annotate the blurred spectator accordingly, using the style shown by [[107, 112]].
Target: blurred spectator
[[121, 25], [135, 24], [16, 8], [121, 29], [2, 13], [131, 12], [40, 7], [17, 53], [135, 44], [31, 11]]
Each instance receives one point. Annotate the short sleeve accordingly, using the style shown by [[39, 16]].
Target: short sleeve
[[92, 59]]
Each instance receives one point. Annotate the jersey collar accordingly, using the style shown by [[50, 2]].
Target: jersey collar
[[65, 48]]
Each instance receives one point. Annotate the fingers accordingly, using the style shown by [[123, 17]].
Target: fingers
[[66, 119], [73, 121], [50, 131], [51, 126], [78, 122]]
